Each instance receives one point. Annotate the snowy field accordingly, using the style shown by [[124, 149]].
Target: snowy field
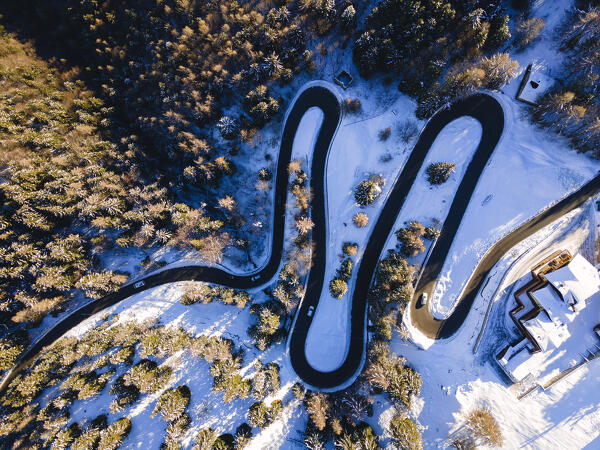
[[206, 408]]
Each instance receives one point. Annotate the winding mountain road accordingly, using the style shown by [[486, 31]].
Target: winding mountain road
[[482, 107]]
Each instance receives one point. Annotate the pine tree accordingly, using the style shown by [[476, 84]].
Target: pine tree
[[318, 406], [228, 127], [112, 437], [438, 173], [172, 403], [404, 433], [338, 288]]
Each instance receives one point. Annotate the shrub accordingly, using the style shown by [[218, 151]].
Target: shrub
[[360, 220], [352, 106], [350, 248], [368, 191], [299, 391], [407, 129], [484, 427], [172, 403], [384, 133], [338, 288], [404, 433], [438, 173]]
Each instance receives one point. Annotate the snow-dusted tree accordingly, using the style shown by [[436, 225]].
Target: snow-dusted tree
[[172, 403], [265, 174], [410, 240], [178, 427], [243, 435], [228, 127], [499, 70], [65, 436], [528, 31], [317, 406], [313, 440], [438, 173], [271, 65], [112, 437], [205, 439], [98, 284], [338, 288], [404, 433], [299, 391], [368, 191], [348, 18], [355, 406], [90, 438], [304, 225]]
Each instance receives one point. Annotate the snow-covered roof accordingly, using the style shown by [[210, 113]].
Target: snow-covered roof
[[537, 84], [521, 364], [559, 311], [546, 331], [578, 282], [563, 333]]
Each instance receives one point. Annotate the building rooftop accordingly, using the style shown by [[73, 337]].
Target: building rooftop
[[561, 320], [577, 282]]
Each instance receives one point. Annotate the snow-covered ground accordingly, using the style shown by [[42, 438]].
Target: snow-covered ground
[[456, 381], [206, 408], [529, 170], [541, 170]]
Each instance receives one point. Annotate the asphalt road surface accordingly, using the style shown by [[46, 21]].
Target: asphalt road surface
[[483, 108], [489, 113]]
